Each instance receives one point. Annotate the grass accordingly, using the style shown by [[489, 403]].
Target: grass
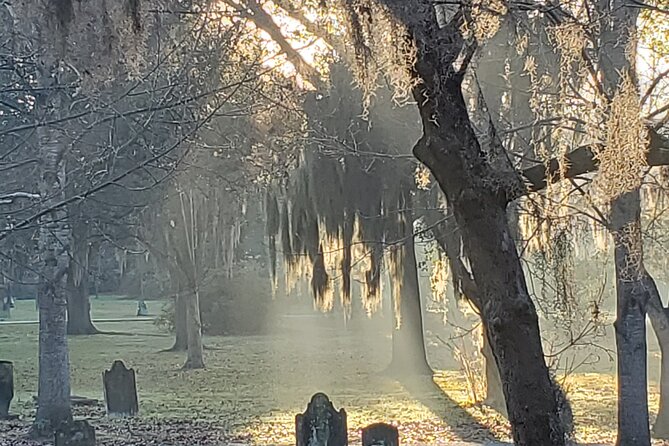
[[255, 385]]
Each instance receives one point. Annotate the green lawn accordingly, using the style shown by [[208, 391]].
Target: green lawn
[[103, 307], [255, 385]]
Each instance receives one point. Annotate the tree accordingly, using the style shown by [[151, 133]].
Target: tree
[[72, 101], [478, 192]]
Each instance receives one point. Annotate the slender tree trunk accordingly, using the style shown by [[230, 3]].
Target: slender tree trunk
[[180, 323], [180, 310], [494, 396], [661, 426], [630, 324], [659, 318], [409, 354], [194, 325], [53, 395]]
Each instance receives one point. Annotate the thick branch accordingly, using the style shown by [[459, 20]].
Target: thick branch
[[582, 161]]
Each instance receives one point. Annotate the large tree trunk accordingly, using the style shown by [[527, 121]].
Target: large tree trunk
[[409, 354], [194, 326], [78, 304], [500, 311], [617, 31], [79, 308], [508, 313], [53, 395], [477, 192], [659, 318], [630, 325]]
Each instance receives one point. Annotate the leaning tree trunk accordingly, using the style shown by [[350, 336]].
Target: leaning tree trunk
[[478, 193], [194, 326], [508, 313], [447, 235], [659, 318], [53, 395], [409, 354]]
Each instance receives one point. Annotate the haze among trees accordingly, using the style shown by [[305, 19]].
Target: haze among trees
[[468, 187]]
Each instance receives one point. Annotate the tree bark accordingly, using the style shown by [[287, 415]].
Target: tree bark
[[508, 313], [78, 303], [409, 354], [194, 326], [617, 31], [180, 323], [478, 193], [630, 324], [53, 395]]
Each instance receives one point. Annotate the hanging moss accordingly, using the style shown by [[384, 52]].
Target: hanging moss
[[320, 282], [285, 232], [345, 196]]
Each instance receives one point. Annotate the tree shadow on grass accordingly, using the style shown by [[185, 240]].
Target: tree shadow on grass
[[461, 422]]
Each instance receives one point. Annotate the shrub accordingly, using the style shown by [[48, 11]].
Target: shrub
[[239, 305]]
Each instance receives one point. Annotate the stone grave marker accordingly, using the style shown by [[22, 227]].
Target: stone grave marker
[[5, 306], [142, 308], [76, 433], [380, 434], [120, 390], [6, 388], [321, 424]]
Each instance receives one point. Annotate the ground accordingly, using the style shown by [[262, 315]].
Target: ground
[[253, 386]]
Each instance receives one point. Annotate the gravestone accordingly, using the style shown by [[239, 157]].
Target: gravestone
[[6, 306], [380, 434], [142, 309], [321, 424], [76, 433], [6, 388], [120, 390], [5, 310]]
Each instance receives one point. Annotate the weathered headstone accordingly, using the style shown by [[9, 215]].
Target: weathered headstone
[[76, 433], [120, 390], [321, 424], [5, 310], [6, 305], [6, 387], [142, 309], [380, 434]]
